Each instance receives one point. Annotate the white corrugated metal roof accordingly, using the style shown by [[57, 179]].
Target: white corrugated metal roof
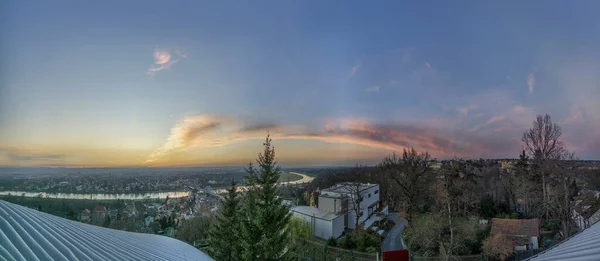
[[583, 246], [27, 234], [310, 211]]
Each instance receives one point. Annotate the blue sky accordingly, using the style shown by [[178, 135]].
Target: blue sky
[[198, 82]]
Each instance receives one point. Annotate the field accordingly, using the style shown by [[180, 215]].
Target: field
[[286, 176]]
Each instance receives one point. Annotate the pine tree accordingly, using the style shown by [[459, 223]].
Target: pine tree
[[223, 238], [264, 224]]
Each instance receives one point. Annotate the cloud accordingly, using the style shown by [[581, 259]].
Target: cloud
[[17, 155], [163, 60], [212, 131], [427, 64], [355, 69], [531, 82], [373, 89]]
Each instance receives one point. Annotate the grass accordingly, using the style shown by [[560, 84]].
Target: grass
[[286, 176]]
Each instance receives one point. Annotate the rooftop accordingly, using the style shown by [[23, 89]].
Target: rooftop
[[516, 227], [310, 211], [33, 235], [583, 246]]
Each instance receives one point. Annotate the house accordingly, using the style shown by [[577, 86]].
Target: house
[[584, 245], [585, 212], [524, 232], [366, 196], [113, 214], [335, 211], [99, 214], [323, 224], [85, 215]]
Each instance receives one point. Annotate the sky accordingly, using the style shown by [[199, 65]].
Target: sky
[[168, 83]]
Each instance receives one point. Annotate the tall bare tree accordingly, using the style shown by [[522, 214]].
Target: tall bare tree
[[412, 173], [354, 189], [543, 144]]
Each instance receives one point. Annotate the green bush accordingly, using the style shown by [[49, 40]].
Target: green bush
[[366, 240], [332, 242], [347, 242]]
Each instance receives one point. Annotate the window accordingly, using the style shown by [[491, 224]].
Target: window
[[376, 191], [369, 194]]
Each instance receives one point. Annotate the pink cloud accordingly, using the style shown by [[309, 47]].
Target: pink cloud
[[531, 82], [163, 60], [210, 131]]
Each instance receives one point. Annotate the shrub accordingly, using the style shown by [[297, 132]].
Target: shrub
[[366, 240], [332, 242], [347, 242]]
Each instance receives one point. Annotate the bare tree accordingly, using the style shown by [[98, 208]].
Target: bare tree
[[498, 247], [412, 173], [543, 144], [354, 189]]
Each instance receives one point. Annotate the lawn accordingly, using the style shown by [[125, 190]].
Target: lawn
[[286, 176]]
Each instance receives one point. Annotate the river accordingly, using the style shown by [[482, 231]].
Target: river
[[132, 196]]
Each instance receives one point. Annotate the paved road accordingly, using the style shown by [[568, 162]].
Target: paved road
[[393, 240]]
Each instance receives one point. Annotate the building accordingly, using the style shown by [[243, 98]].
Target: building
[[99, 214], [335, 211], [113, 214], [50, 237], [85, 215], [584, 245], [585, 212], [324, 224], [344, 196], [524, 232]]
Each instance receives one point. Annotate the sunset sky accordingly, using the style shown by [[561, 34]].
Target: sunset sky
[[159, 83]]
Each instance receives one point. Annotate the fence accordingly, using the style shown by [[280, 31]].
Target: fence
[[520, 255], [452, 258], [315, 251]]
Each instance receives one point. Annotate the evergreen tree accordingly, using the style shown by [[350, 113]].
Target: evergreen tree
[[223, 238], [264, 224]]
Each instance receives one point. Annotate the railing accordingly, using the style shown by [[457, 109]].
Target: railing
[[521, 255], [452, 258]]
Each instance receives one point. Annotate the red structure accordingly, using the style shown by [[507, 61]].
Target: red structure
[[396, 255]]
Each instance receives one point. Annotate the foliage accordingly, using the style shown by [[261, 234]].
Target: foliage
[[195, 229], [224, 242], [265, 219], [366, 241], [332, 242], [299, 229], [429, 235], [411, 174], [498, 247], [347, 242], [487, 207]]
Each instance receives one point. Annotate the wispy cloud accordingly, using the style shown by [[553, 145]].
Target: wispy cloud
[[355, 69], [531, 82], [373, 89], [211, 131], [17, 155], [163, 60]]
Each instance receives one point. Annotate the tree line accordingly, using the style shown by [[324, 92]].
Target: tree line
[[447, 197]]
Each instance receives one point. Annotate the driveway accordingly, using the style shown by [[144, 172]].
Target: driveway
[[393, 240]]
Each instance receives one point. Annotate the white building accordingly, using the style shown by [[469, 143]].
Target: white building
[[335, 211], [334, 198], [324, 224]]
